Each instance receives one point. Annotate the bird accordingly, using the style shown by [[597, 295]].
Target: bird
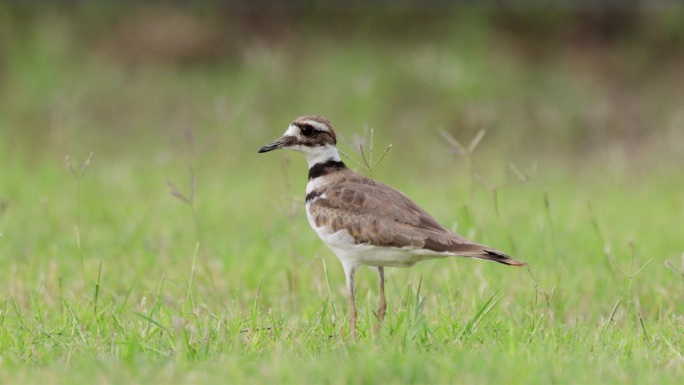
[[366, 222]]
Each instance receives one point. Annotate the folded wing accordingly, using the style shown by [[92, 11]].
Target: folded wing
[[377, 214]]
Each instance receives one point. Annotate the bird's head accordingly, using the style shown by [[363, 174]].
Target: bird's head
[[313, 136]]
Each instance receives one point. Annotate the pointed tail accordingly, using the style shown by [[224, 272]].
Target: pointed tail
[[497, 256]]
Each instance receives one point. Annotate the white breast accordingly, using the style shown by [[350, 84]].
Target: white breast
[[350, 253]]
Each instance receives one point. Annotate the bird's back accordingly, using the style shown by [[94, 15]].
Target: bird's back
[[375, 214]]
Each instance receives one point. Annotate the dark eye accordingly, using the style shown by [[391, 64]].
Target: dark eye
[[307, 130]]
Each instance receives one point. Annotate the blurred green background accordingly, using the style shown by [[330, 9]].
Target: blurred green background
[[542, 81], [580, 173]]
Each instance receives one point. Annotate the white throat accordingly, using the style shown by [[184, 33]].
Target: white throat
[[322, 154]]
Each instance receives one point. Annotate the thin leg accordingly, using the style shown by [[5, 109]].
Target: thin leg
[[349, 271], [382, 307], [352, 308]]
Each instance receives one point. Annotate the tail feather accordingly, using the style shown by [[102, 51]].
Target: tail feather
[[497, 256], [456, 245]]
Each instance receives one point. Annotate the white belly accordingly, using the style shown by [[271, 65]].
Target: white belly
[[349, 252]]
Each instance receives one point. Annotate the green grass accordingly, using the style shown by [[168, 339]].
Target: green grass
[[109, 278]]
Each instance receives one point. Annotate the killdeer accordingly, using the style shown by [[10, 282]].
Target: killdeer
[[365, 222]]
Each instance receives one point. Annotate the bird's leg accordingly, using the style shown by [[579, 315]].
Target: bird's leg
[[349, 271], [352, 308], [382, 307], [383, 304]]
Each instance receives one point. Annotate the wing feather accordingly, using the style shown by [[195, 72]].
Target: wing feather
[[375, 213], [378, 214]]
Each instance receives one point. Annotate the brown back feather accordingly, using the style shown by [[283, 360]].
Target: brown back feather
[[377, 214]]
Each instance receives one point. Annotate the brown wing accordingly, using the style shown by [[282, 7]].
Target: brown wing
[[377, 214]]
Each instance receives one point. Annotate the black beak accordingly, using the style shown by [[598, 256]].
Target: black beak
[[276, 144]]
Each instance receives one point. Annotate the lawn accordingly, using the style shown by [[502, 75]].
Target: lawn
[[144, 240]]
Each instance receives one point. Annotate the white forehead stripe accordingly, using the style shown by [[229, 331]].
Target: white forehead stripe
[[292, 131], [317, 125]]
